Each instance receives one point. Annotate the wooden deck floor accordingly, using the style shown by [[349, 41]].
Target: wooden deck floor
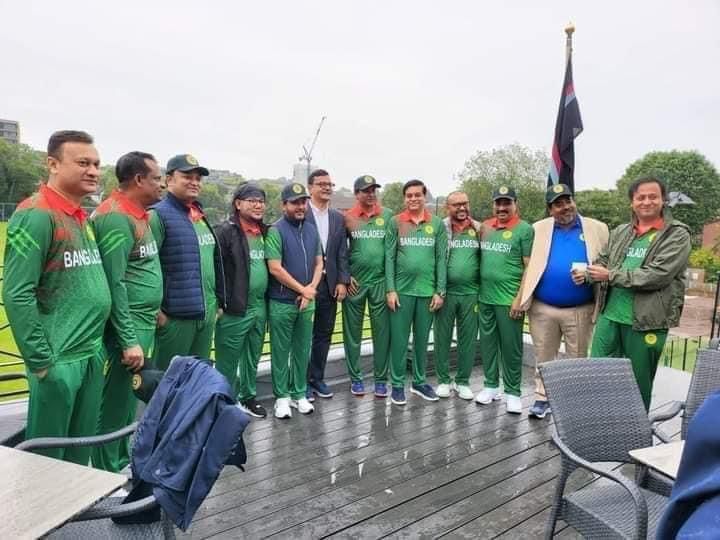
[[363, 468]]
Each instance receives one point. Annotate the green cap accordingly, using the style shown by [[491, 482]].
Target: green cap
[[293, 192], [185, 163], [555, 191], [504, 192], [364, 182]]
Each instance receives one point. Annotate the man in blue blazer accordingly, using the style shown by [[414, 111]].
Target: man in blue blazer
[[336, 276]]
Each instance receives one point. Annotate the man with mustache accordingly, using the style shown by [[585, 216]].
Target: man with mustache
[[558, 307], [190, 259], [505, 246], [57, 298], [366, 223]]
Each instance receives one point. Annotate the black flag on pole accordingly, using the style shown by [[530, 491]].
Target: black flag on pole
[[567, 126]]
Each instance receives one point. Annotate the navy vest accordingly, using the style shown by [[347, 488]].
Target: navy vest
[[180, 260], [300, 246]]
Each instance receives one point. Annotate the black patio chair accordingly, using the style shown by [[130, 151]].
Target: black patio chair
[[599, 417], [99, 521]]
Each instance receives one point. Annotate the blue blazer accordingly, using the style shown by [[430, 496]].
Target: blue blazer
[[189, 431], [335, 257]]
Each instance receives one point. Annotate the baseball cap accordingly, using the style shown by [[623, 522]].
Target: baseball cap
[[293, 192], [185, 163], [504, 192], [556, 191], [364, 182]]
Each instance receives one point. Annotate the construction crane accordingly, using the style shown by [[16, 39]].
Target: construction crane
[[302, 170]]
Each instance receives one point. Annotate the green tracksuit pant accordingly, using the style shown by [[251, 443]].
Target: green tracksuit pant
[[290, 342], [464, 310], [185, 338], [119, 404], [238, 346], [353, 310], [413, 313], [501, 346], [66, 403], [644, 350]]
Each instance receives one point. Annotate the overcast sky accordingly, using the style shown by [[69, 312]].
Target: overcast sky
[[410, 88]]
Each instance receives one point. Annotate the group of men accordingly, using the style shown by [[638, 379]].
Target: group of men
[[93, 300]]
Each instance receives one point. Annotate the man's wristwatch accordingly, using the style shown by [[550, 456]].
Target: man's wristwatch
[[441, 294]]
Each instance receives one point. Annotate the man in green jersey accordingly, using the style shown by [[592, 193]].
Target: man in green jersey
[[240, 330], [132, 266], [415, 279], [366, 223], [505, 246], [188, 257], [57, 298], [295, 264], [460, 306], [643, 274]]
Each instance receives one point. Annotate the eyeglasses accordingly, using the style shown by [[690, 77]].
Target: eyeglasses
[[323, 185], [255, 202], [459, 204]]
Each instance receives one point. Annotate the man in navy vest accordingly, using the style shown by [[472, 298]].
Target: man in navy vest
[[332, 289], [190, 264], [293, 252]]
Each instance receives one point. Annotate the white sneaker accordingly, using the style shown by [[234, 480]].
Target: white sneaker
[[302, 405], [488, 395], [463, 391], [282, 408], [443, 390], [513, 404]]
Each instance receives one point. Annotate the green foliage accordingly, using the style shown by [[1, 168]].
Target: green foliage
[[392, 197], [686, 171], [108, 180], [214, 200], [707, 260], [606, 206], [513, 165], [21, 169]]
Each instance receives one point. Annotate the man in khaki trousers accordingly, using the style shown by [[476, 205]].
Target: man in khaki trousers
[[557, 307]]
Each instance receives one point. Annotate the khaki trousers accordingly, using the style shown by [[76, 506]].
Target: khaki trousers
[[548, 324]]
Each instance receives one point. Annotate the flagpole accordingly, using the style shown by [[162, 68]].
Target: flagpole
[[569, 30]]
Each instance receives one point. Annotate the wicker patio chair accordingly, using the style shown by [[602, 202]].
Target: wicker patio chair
[[599, 417], [97, 522]]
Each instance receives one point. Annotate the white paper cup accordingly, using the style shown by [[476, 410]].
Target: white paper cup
[[579, 266]]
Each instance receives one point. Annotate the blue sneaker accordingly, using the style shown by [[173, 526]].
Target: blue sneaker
[[381, 390], [357, 388], [539, 409], [425, 391], [309, 394], [321, 389], [398, 396]]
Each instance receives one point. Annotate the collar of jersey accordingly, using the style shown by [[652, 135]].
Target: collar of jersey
[[407, 217], [658, 224], [58, 202], [128, 205], [462, 226], [495, 224], [358, 212]]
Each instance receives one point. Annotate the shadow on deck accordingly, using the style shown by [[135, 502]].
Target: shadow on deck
[[363, 468]]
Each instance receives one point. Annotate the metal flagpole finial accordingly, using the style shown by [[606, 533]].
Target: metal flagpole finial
[[569, 29]]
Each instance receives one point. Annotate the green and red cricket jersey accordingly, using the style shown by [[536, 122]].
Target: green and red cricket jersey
[[416, 255], [132, 265], [366, 232], [619, 305], [258, 281], [501, 261], [55, 291], [463, 271]]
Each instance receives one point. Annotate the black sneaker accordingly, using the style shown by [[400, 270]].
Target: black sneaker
[[539, 409], [253, 408]]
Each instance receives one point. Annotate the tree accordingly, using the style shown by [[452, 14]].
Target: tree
[[214, 204], [392, 197], [686, 171], [108, 180], [606, 206], [21, 169], [514, 165]]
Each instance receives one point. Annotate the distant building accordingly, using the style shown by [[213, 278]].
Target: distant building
[[10, 130]]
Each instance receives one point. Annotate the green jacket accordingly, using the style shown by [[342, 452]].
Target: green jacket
[[659, 283]]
